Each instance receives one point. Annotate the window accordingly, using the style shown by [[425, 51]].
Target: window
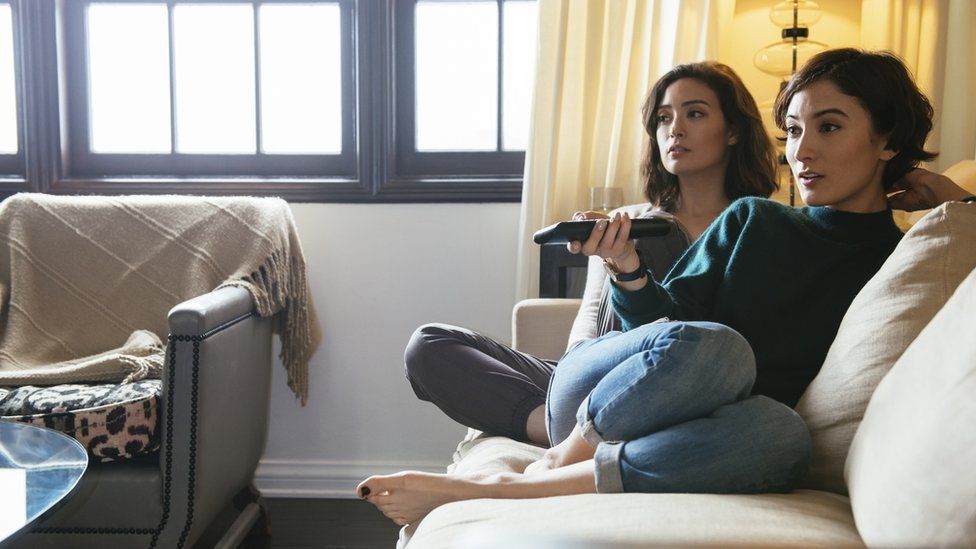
[[322, 100], [198, 89], [471, 61], [11, 153]]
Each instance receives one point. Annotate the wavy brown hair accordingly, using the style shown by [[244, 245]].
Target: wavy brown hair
[[882, 85], [752, 159]]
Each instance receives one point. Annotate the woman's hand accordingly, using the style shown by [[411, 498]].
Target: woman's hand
[[610, 240], [921, 189], [575, 246]]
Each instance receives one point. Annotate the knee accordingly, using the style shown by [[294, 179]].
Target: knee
[[778, 442], [721, 347], [419, 357], [719, 336], [782, 428]]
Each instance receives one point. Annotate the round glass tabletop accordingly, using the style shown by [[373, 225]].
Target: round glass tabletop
[[38, 468]]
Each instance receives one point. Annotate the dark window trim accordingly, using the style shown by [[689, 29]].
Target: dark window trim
[[12, 167], [377, 178]]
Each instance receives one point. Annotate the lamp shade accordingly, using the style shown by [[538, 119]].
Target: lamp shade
[[807, 13], [777, 58]]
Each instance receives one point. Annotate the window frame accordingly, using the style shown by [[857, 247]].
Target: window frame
[[497, 163], [13, 172], [376, 172]]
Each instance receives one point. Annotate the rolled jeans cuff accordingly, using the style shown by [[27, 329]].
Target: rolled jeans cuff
[[587, 429], [607, 468]]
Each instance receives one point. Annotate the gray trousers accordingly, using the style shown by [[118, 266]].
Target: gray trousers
[[475, 380]]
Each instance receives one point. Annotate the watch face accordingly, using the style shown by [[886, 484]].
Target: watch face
[[610, 268]]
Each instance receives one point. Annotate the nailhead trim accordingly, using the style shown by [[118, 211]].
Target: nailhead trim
[[168, 472]]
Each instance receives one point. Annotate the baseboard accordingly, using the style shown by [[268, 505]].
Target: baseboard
[[281, 478]]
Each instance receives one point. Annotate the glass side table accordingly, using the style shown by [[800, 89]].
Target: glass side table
[[39, 468]]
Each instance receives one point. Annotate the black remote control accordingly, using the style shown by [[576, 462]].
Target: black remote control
[[568, 231]]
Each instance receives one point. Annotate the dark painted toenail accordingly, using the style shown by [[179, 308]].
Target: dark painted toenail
[[364, 491]]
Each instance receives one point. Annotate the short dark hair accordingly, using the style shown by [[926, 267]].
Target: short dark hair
[[752, 160], [882, 84]]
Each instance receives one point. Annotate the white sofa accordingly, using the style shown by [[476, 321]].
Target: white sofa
[[898, 472]]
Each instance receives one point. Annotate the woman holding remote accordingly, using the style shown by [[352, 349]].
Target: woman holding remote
[[704, 403], [711, 150]]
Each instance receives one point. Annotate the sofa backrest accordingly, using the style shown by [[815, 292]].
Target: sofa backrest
[[885, 317]]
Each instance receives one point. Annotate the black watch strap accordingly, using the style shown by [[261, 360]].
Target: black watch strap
[[969, 199], [633, 275]]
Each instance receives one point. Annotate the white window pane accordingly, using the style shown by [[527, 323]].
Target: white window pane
[[214, 58], [128, 52], [518, 72], [8, 90], [301, 84], [457, 75]]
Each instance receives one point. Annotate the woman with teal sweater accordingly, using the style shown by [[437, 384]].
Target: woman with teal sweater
[[696, 393]]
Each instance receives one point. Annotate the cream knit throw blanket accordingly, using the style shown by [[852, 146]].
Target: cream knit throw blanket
[[86, 282]]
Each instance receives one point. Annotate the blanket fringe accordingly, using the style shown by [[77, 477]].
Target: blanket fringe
[[281, 288]]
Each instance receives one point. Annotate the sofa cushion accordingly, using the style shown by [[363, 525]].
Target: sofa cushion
[[884, 318], [806, 518], [112, 421], [910, 468], [800, 519]]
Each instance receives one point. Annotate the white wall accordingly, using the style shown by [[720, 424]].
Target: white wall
[[376, 273]]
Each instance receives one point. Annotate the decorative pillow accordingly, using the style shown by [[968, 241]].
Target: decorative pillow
[[910, 468], [113, 421], [884, 318]]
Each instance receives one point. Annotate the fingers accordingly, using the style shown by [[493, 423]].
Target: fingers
[[576, 247], [901, 185], [609, 239], [582, 216], [623, 237], [898, 201], [916, 178], [592, 244]]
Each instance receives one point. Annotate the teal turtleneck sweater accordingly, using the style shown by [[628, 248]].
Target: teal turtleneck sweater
[[781, 277]]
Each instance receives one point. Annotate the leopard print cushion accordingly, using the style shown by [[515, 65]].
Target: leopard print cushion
[[113, 421]]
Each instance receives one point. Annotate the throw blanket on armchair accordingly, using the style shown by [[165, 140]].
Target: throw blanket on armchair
[[86, 281]]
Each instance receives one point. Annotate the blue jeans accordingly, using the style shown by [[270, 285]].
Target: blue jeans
[[668, 408]]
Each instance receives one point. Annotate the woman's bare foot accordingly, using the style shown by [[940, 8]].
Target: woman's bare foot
[[408, 496], [572, 450]]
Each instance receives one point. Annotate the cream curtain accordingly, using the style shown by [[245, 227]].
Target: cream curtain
[[595, 63], [935, 39]]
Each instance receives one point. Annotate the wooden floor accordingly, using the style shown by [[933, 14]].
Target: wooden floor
[[316, 523]]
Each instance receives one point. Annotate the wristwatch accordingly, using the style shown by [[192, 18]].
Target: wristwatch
[[969, 199], [618, 276]]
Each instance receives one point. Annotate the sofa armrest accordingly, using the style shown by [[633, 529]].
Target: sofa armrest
[[540, 327], [214, 410], [204, 313]]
